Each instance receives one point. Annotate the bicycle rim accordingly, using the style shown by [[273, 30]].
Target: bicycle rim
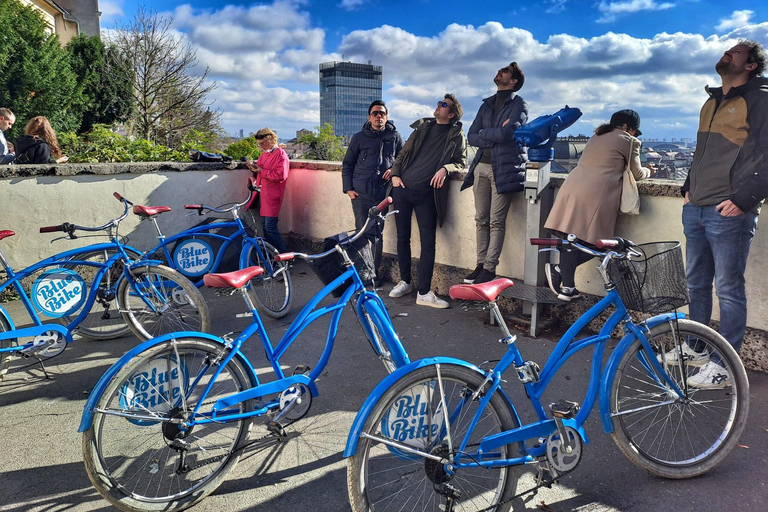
[[377, 342], [272, 289], [670, 436], [134, 461], [384, 478]]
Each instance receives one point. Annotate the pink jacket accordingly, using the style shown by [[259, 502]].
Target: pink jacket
[[274, 173]]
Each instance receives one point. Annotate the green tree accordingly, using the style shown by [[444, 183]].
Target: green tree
[[36, 78], [247, 147], [104, 86], [324, 145]]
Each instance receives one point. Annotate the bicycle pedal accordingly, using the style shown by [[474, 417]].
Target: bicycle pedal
[[276, 430], [244, 315], [564, 409], [301, 369]]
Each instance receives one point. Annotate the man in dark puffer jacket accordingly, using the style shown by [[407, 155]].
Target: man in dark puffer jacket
[[498, 169], [371, 153]]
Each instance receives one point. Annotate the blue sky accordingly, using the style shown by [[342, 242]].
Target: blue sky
[[653, 56]]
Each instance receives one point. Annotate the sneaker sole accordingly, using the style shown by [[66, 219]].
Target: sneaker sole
[[691, 362], [568, 298], [432, 305], [398, 295], [469, 281], [722, 385]]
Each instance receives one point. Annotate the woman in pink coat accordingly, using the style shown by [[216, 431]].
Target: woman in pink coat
[[271, 171], [588, 202]]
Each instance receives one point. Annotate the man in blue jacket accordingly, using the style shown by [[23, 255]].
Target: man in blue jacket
[[498, 169], [6, 122], [364, 171]]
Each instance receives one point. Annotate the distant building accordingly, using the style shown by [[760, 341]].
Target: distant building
[[346, 91], [69, 18]]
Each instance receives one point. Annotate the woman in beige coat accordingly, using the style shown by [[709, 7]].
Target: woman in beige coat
[[588, 202]]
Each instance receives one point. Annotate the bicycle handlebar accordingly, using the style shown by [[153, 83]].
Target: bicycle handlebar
[[382, 206], [201, 208], [71, 228], [617, 247]]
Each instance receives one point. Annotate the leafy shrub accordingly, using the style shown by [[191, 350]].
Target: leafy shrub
[[247, 147]]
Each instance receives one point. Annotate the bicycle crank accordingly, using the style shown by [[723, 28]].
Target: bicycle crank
[[46, 345], [563, 456]]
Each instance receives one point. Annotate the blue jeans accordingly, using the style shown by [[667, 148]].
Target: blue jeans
[[717, 248], [272, 234]]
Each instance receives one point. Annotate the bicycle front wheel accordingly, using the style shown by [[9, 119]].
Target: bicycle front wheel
[[104, 321], [412, 413], [158, 300], [671, 436], [376, 340], [270, 290], [137, 453]]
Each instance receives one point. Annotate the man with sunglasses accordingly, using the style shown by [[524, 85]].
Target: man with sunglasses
[[498, 169], [726, 185], [371, 153], [436, 148]]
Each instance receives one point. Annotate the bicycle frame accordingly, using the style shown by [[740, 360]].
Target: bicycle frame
[[14, 279], [309, 313], [599, 386]]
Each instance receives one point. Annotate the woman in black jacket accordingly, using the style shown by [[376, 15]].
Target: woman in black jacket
[[39, 144]]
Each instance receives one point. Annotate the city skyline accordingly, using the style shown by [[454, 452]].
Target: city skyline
[[652, 56]]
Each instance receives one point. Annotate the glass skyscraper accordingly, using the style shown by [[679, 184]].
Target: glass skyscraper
[[346, 91]]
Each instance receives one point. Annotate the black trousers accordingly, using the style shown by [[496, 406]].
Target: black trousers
[[360, 207], [569, 260], [422, 203]]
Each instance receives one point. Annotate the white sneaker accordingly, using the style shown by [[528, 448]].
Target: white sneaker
[[431, 300], [400, 289], [710, 376], [690, 356]]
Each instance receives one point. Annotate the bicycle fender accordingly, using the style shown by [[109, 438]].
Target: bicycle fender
[[98, 389], [613, 363], [373, 301], [389, 381]]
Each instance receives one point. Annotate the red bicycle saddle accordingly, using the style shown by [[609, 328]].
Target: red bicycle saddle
[[5, 233], [149, 211], [236, 279], [486, 292]]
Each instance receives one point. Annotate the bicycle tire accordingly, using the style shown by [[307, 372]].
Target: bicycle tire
[[377, 342], [177, 305], [131, 462], [104, 321], [272, 292], [5, 357], [379, 478], [689, 436]]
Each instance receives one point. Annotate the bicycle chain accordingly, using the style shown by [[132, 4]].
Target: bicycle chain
[[521, 494]]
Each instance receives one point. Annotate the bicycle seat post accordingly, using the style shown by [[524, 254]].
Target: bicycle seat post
[[496, 313]]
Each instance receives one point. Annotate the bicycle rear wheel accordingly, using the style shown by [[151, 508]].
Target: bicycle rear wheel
[[670, 436], [270, 290], [104, 321], [136, 453], [5, 357], [380, 477], [159, 300]]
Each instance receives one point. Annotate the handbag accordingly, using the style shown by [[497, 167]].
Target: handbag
[[630, 197]]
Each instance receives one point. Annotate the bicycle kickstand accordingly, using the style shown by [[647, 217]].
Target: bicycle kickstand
[[42, 367]]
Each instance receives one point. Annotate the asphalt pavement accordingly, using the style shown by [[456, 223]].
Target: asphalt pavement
[[41, 458]]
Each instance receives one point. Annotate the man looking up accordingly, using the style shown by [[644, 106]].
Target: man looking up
[[498, 168], [436, 148], [371, 153], [727, 182], [6, 122]]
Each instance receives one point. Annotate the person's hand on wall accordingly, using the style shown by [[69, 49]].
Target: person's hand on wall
[[438, 179], [62, 159]]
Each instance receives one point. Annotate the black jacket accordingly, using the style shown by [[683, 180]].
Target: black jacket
[[33, 150], [370, 153], [507, 161]]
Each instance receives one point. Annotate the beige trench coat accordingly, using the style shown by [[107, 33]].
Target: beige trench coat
[[588, 202]]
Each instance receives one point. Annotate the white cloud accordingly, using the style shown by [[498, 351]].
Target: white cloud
[[351, 5], [738, 19], [556, 6], [111, 10], [611, 10]]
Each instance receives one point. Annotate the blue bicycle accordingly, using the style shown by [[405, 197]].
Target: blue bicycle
[[94, 290], [442, 434], [167, 422], [201, 249]]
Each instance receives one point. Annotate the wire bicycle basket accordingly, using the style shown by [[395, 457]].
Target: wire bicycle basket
[[332, 266], [654, 284]]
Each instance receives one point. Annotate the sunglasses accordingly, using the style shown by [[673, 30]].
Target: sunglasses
[[443, 104], [378, 113], [259, 137], [506, 70]]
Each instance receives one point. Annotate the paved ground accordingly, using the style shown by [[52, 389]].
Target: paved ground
[[42, 467]]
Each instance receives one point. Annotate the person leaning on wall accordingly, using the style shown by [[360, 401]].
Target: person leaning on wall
[[587, 204], [39, 144]]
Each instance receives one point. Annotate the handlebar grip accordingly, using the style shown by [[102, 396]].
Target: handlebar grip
[[118, 196], [53, 229], [608, 243], [285, 256], [549, 242], [252, 184], [382, 206], [193, 206]]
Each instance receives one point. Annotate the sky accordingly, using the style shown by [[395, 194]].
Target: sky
[[653, 56]]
